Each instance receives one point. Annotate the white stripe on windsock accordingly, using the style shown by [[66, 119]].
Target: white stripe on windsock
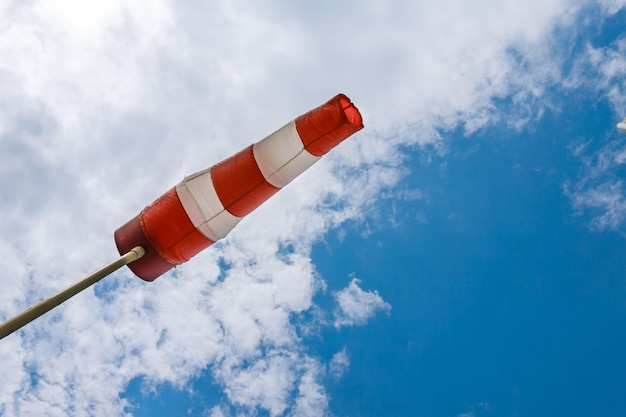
[[281, 156], [204, 208]]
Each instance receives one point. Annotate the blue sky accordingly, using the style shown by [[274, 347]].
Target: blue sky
[[461, 256], [504, 302]]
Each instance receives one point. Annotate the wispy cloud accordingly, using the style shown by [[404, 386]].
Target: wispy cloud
[[599, 191], [602, 69], [606, 202], [339, 364]]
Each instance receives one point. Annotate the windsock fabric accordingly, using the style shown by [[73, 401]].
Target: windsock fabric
[[205, 206]]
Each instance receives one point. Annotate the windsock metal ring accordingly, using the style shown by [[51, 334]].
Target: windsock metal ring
[[205, 206]]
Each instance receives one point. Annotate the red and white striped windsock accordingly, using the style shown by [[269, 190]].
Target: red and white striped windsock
[[204, 207]]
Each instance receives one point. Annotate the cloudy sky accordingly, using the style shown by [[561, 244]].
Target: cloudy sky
[[461, 256]]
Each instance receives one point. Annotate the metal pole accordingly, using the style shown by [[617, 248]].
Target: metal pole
[[48, 304]]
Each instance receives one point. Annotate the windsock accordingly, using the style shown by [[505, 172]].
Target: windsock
[[205, 206]]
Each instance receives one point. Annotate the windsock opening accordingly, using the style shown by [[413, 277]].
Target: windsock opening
[[324, 127], [352, 113]]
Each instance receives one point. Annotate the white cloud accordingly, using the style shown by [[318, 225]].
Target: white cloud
[[356, 306], [606, 202], [267, 384], [612, 6], [311, 399], [602, 69], [105, 106], [339, 364], [599, 191]]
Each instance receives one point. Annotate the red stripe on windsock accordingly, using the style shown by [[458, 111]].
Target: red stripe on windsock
[[164, 230], [324, 127], [239, 183], [170, 231]]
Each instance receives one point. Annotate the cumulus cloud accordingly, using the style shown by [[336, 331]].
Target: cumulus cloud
[[355, 306], [103, 106]]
